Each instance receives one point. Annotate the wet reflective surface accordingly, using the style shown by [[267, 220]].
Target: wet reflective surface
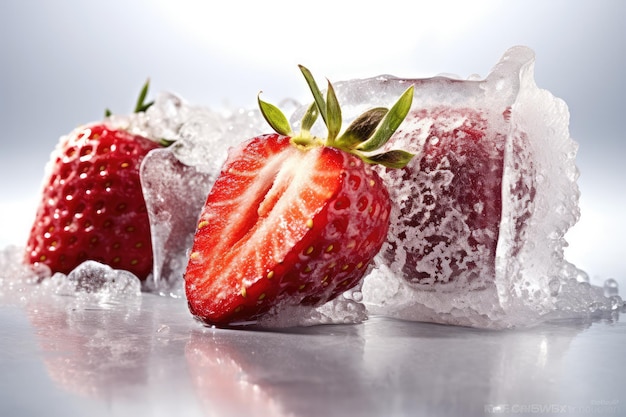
[[151, 358]]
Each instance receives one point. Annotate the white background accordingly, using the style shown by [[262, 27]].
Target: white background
[[64, 61]]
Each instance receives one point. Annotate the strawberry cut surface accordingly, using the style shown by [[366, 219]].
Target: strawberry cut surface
[[92, 204], [283, 224]]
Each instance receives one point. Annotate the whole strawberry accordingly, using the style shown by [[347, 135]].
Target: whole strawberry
[[92, 205], [293, 218]]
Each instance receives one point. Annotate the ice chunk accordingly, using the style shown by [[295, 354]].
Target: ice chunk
[[89, 284], [206, 136], [480, 214], [174, 194], [99, 281], [92, 285]]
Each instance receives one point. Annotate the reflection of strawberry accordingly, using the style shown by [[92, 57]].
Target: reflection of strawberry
[[293, 217], [87, 350], [222, 382], [306, 371], [446, 232], [92, 205]]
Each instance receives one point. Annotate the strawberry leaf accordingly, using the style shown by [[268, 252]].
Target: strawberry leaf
[[390, 122], [317, 94], [166, 142], [309, 119], [333, 114], [362, 128], [275, 117], [392, 159], [141, 105]]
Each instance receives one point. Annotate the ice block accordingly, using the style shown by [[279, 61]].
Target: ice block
[[480, 213]]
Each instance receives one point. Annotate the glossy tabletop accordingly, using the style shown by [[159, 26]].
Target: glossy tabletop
[[151, 358]]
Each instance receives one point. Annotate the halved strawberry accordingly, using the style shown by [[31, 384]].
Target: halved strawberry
[[293, 218], [92, 205]]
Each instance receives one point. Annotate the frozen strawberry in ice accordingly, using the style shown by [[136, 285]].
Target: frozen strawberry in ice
[[479, 215], [448, 227]]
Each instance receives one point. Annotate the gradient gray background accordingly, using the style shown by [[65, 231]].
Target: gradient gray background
[[64, 61]]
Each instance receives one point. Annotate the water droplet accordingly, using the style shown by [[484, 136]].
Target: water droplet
[[611, 287]]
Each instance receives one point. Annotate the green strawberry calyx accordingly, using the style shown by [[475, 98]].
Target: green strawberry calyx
[[363, 137]]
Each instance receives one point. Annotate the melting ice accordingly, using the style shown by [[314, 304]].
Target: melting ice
[[443, 262]]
